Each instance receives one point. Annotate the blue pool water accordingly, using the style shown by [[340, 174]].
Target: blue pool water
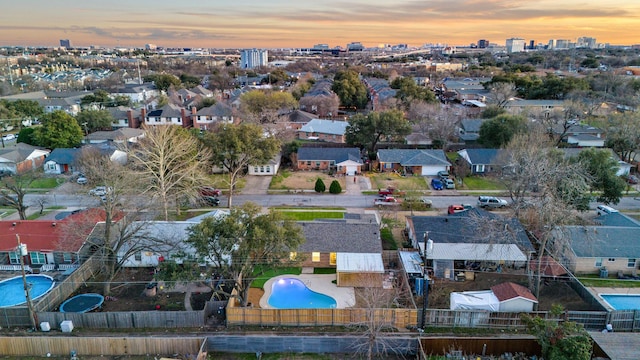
[[289, 293], [623, 302], [12, 290]]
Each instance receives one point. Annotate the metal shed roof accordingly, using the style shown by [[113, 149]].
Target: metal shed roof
[[359, 262]]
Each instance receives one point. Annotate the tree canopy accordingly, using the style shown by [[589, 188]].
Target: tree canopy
[[408, 91], [602, 169], [350, 90], [235, 147], [58, 130], [163, 81], [242, 244], [94, 120], [264, 106], [497, 132], [367, 130]]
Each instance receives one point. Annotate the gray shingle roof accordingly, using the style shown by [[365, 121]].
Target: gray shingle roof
[[332, 127], [412, 157], [341, 237], [482, 156], [603, 241], [19, 152], [338, 155], [617, 219], [471, 125], [63, 155]]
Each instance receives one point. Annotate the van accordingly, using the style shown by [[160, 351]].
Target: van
[[605, 210]]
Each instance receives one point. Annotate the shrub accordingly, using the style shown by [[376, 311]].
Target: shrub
[[335, 187], [320, 187]]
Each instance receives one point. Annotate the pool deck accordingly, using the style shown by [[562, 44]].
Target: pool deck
[[345, 296], [597, 291]]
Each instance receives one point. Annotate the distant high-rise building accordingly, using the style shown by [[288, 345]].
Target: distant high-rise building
[[253, 58], [150, 47], [532, 44], [482, 44], [551, 44], [515, 45], [586, 42], [355, 46], [562, 44], [321, 47], [66, 43]]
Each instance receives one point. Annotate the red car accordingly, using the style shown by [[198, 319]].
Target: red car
[[209, 191]]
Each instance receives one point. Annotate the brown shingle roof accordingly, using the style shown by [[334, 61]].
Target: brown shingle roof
[[509, 290]]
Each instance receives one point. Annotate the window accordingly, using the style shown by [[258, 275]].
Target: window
[[293, 255], [37, 257], [66, 257], [598, 262], [315, 256], [479, 168], [51, 165], [267, 169], [13, 258], [308, 163], [317, 163], [255, 169], [332, 258], [261, 169], [631, 263], [138, 256]]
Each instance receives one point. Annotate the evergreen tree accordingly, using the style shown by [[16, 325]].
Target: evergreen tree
[[320, 187], [335, 187]]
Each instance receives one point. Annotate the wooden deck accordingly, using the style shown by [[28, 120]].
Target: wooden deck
[[618, 346]]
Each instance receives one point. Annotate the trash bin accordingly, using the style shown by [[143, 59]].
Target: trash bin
[[45, 326]]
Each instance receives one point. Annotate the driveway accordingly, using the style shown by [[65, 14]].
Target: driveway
[[256, 185]]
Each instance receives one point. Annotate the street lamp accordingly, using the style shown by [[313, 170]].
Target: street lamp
[[22, 252]]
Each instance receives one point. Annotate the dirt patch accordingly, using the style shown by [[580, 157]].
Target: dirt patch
[[306, 180], [555, 292], [128, 293]]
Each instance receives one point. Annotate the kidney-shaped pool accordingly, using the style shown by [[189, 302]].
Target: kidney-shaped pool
[[290, 293]]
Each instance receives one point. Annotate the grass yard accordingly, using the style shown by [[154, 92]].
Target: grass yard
[[303, 180], [403, 183], [260, 279], [46, 183], [481, 183], [596, 281], [221, 181], [311, 214]]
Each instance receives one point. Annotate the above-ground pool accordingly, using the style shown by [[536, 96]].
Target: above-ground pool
[[82, 303], [290, 293], [12, 290], [622, 301]]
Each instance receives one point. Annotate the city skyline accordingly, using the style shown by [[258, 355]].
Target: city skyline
[[289, 24]]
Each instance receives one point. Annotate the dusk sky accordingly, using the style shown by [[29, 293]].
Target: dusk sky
[[303, 23]]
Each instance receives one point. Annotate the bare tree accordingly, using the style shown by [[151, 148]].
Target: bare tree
[[434, 120], [501, 93], [322, 105], [41, 201], [170, 164], [14, 188]]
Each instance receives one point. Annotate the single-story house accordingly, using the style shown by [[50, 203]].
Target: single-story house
[[346, 161], [589, 249], [480, 161], [48, 242], [359, 269], [61, 161], [324, 130], [585, 140], [424, 162], [121, 135], [469, 130], [359, 234], [21, 158], [504, 297], [517, 106], [580, 135], [270, 168], [471, 236]]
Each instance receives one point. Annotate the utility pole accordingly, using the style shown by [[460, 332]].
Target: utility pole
[[22, 252]]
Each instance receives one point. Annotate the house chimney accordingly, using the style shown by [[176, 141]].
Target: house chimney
[[143, 117], [130, 120]]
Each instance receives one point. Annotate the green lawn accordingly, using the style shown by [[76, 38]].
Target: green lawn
[[596, 281], [268, 274], [324, 271], [36, 215], [481, 183], [312, 215], [388, 243], [403, 183], [276, 181], [46, 183]]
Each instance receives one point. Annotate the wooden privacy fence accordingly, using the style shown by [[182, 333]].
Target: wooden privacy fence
[[127, 320], [96, 346], [398, 318]]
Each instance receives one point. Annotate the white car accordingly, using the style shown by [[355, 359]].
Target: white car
[[605, 210], [491, 202], [82, 180], [99, 191], [8, 137]]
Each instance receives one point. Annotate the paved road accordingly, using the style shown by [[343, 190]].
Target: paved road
[[300, 199]]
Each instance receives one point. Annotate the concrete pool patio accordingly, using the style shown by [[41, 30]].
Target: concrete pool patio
[[345, 296], [597, 291]]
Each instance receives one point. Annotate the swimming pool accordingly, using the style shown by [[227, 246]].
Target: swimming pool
[[12, 290], [290, 293], [622, 301]]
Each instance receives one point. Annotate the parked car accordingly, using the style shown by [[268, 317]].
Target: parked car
[[386, 201], [443, 174], [82, 180], [210, 191], [491, 202], [390, 191], [8, 137], [605, 210], [437, 184], [449, 183], [210, 200], [100, 191], [632, 179], [458, 208]]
